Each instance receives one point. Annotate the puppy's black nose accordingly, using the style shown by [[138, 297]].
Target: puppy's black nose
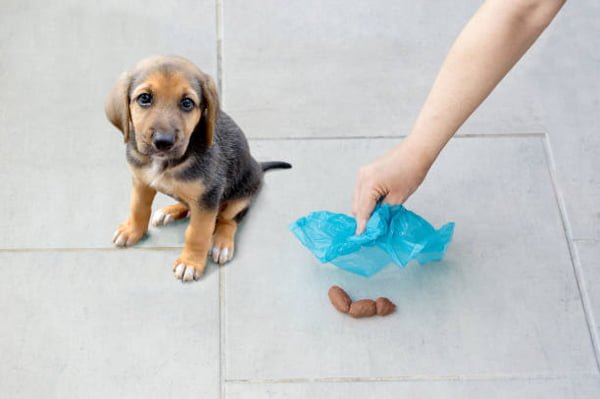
[[163, 141]]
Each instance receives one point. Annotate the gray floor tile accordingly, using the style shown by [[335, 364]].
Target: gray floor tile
[[564, 388], [569, 86], [71, 203], [330, 69], [109, 324], [503, 301], [589, 256]]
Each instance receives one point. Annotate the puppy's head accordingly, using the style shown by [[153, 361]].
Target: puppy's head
[[162, 102]]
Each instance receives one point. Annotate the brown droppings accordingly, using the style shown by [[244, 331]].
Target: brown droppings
[[339, 299], [384, 306], [363, 308]]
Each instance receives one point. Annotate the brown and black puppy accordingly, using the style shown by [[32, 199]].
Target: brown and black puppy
[[180, 143]]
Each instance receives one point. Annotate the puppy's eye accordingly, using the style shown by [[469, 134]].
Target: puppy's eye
[[145, 99], [187, 104]]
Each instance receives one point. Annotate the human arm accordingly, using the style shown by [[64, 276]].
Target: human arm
[[490, 44]]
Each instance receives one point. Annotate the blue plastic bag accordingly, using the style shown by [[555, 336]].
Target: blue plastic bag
[[393, 234]]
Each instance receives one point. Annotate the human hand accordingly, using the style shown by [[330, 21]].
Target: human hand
[[392, 177]]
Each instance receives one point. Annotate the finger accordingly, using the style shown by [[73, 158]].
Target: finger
[[365, 207], [360, 226]]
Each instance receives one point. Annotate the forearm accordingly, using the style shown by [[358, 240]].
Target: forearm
[[494, 39]]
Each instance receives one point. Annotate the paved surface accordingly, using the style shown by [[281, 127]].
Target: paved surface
[[513, 311]]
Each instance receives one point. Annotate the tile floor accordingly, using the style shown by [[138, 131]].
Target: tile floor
[[513, 310]]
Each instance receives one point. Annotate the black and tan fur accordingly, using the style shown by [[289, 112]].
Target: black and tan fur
[[181, 144]]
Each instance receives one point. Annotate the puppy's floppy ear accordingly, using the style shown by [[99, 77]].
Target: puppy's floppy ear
[[117, 105], [210, 98]]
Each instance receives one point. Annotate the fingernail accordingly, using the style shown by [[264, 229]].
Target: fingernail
[[359, 229]]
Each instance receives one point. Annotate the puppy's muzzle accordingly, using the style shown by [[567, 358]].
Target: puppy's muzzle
[[163, 141]]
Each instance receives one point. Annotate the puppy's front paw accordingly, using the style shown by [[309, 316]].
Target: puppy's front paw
[[186, 269], [127, 235], [221, 254]]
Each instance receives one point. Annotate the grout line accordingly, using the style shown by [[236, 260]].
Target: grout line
[[409, 378], [392, 136], [587, 240], [501, 135], [324, 138], [575, 261], [222, 331], [220, 31]]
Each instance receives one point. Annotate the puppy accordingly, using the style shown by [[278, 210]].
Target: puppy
[[180, 143]]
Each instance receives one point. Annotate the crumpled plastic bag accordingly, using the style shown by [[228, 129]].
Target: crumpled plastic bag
[[393, 235]]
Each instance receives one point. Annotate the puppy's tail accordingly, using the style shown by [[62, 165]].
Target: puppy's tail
[[274, 165]]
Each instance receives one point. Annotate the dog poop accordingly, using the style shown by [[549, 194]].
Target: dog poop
[[359, 309], [384, 306], [363, 308], [339, 299]]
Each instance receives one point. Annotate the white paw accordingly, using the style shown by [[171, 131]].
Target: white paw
[[122, 239], [159, 218], [221, 255], [184, 272]]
